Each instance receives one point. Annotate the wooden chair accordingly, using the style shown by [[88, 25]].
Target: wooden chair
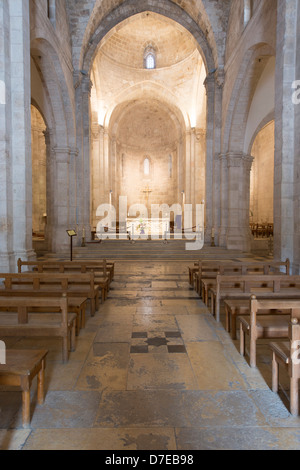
[[287, 354]]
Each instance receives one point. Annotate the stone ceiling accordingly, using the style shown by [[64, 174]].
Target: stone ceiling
[[126, 43], [118, 75]]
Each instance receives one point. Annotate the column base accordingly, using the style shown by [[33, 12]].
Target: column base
[[9, 261], [238, 241]]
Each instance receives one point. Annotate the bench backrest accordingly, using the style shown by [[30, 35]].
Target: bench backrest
[[64, 266], [37, 279], [245, 268], [246, 282], [24, 304]]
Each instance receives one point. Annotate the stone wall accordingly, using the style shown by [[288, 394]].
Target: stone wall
[[262, 177]]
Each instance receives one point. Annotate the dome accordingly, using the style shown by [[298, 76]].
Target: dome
[[127, 42]]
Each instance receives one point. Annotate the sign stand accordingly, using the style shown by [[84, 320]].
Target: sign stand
[[71, 234]]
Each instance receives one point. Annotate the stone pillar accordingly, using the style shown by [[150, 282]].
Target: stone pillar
[[223, 200], [216, 201], [60, 198], [49, 206], [238, 230], [187, 185], [209, 216], [15, 135], [83, 87], [95, 177], [285, 152]]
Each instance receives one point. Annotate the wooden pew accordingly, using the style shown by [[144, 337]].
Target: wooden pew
[[53, 284], [21, 367], [263, 286], [103, 274], [271, 326], [76, 305], [22, 323], [102, 268], [208, 271], [238, 307], [192, 271], [287, 354]]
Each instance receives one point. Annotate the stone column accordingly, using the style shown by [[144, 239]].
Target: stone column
[[187, 185], [238, 231], [95, 177], [83, 87], [216, 201], [223, 200], [15, 135], [60, 198], [49, 206], [6, 209], [285, 152], [209, 182]]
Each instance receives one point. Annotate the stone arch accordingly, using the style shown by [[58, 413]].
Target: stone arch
[[166, 8], [148, 90], [266, 120], [243, 91], [56, 86]]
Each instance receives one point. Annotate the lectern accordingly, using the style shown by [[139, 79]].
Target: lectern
[[71, 234]]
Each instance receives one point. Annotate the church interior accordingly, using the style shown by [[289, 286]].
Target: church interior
[[149, 225]]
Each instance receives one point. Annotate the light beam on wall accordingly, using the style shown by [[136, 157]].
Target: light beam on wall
[[101, 113]]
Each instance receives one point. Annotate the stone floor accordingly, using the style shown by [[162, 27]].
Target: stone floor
[[151, 371]]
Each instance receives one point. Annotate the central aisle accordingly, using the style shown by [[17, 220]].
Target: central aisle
[[154, 371]]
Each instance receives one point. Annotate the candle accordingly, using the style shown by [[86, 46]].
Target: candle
[[213, 232], [83, 232]]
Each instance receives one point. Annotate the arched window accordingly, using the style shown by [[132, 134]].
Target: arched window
[[146, 166], [149, 58], [248, 11], [51, 11]]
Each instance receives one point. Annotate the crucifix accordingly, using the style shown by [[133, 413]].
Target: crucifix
[[147, 191]]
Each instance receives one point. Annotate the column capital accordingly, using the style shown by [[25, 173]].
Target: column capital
[[82, 79], [238, 160], [62, 154]]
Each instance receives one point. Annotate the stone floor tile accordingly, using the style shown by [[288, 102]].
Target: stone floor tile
[[178, 409], [160, 372], [237, 438], [195, 328], [123, 439], [209, 356], [106, 368], [13, 439], [66, 409]]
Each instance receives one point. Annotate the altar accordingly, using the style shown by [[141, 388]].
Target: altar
[[147, 227]]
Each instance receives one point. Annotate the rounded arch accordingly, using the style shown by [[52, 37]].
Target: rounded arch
[[147, 90], [168, 9], [266, 120], [59, 104], [251, 70]]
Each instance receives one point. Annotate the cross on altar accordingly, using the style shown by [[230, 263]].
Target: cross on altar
[[147, 191]]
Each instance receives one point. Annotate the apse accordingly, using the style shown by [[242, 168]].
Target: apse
[[148, 111]]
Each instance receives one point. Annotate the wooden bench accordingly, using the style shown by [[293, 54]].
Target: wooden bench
[[206, 277], [20, 322], [238, 307], [287, 354], [104, 271], [102, 276], [53, 284], [76, 305], [260, 326], [263, 286], [21, 367]]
